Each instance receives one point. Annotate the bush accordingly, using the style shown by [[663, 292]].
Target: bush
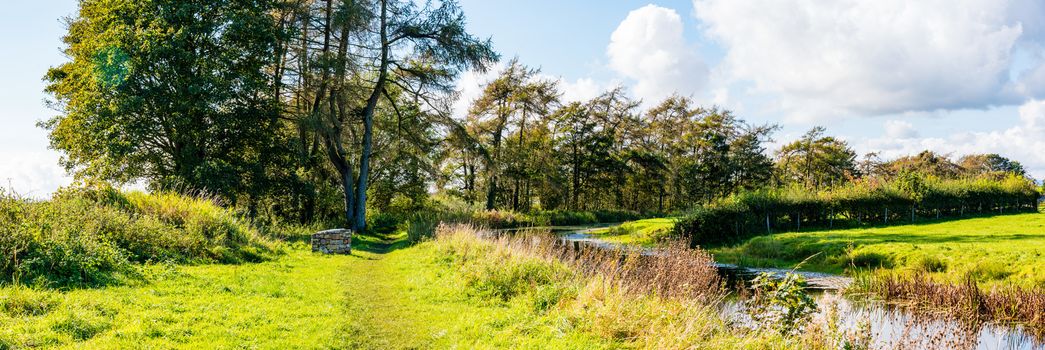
[[567, 218], [421, 226], [92, 235], [930, 264], [383, 223], [869, 260], [744, 215]]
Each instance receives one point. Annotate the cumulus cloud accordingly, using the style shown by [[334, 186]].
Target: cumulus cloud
[[1022, 142], [899, 129], [649, 48], [875, 57]]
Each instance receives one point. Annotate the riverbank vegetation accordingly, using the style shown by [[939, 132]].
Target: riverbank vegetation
[[646, 232], [456, 290], [1001, 250], [92, 236], [906, 199]]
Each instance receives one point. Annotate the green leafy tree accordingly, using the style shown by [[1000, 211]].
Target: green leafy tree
[[816, 161], [175, 93], [357, 59]]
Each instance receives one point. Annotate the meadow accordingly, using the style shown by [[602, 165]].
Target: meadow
[[995, 250], [1001, 250], [455, 291], [645, 232]]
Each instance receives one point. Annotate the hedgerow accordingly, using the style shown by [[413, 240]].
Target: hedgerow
[[909, 198]]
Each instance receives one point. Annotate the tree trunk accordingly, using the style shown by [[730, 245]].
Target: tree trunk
[[368, 124]]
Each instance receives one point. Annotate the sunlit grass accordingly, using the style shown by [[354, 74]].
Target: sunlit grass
[[646, 232], [999, 250], [294, 302]]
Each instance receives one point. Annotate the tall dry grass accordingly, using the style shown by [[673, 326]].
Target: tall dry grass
[[672, 299], [966, 301]]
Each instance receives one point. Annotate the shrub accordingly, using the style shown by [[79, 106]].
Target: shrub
[[747, 214], [92, 235], [567, 218], [869, 259], [382, 223], [930, 264], [990, 271], [781, 305]]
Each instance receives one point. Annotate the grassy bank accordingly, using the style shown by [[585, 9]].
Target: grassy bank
[[456, 291], [294, 302], [997, 250], [646, 232], [96, 236]]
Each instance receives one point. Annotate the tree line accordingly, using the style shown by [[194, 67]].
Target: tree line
[[334, 110]]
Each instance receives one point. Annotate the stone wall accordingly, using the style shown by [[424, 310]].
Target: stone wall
[[336, 241]]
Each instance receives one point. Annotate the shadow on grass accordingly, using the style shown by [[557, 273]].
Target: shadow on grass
[[377, 243]]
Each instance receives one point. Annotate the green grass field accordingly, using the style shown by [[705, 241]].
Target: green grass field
[[997, 250], [380, 297], [646, 232]]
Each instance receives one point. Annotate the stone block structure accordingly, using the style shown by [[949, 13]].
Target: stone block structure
[[336, 241]]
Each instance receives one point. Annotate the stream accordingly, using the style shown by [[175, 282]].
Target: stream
[[888, 326]]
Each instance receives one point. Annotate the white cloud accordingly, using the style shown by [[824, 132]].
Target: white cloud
[[582, 89], [32, 173], [899, 129], [1023, 142], [649, 48], [471, 84], [874, 57]]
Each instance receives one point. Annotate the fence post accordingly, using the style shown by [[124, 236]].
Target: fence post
[[768, 230], [831, 219], [886, 215]]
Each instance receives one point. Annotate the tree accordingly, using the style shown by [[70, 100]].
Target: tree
[[508, 99], [372, 53], [174, 93], [980, 164], [926, 163], [816, 161]]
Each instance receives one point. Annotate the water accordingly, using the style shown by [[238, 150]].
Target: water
[[889, 327]]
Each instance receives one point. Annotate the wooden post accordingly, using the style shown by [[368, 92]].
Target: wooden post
[[886, 215], [767, 224], [831, 219]]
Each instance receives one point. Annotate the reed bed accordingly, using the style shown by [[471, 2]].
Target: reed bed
[[966, 301], [671, 298]]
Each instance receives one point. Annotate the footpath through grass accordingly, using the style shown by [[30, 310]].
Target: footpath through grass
[[381, 297], [996, 250]]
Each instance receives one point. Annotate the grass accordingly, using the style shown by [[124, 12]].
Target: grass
[[646, 232], [96, 236], [996, 251], [456, 291], [296, 301]]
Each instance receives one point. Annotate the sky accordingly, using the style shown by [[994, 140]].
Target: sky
[[889, 76]]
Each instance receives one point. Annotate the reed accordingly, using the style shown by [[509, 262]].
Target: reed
[[966, 301]]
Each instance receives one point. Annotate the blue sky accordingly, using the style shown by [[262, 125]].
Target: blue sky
[[891, 76]]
